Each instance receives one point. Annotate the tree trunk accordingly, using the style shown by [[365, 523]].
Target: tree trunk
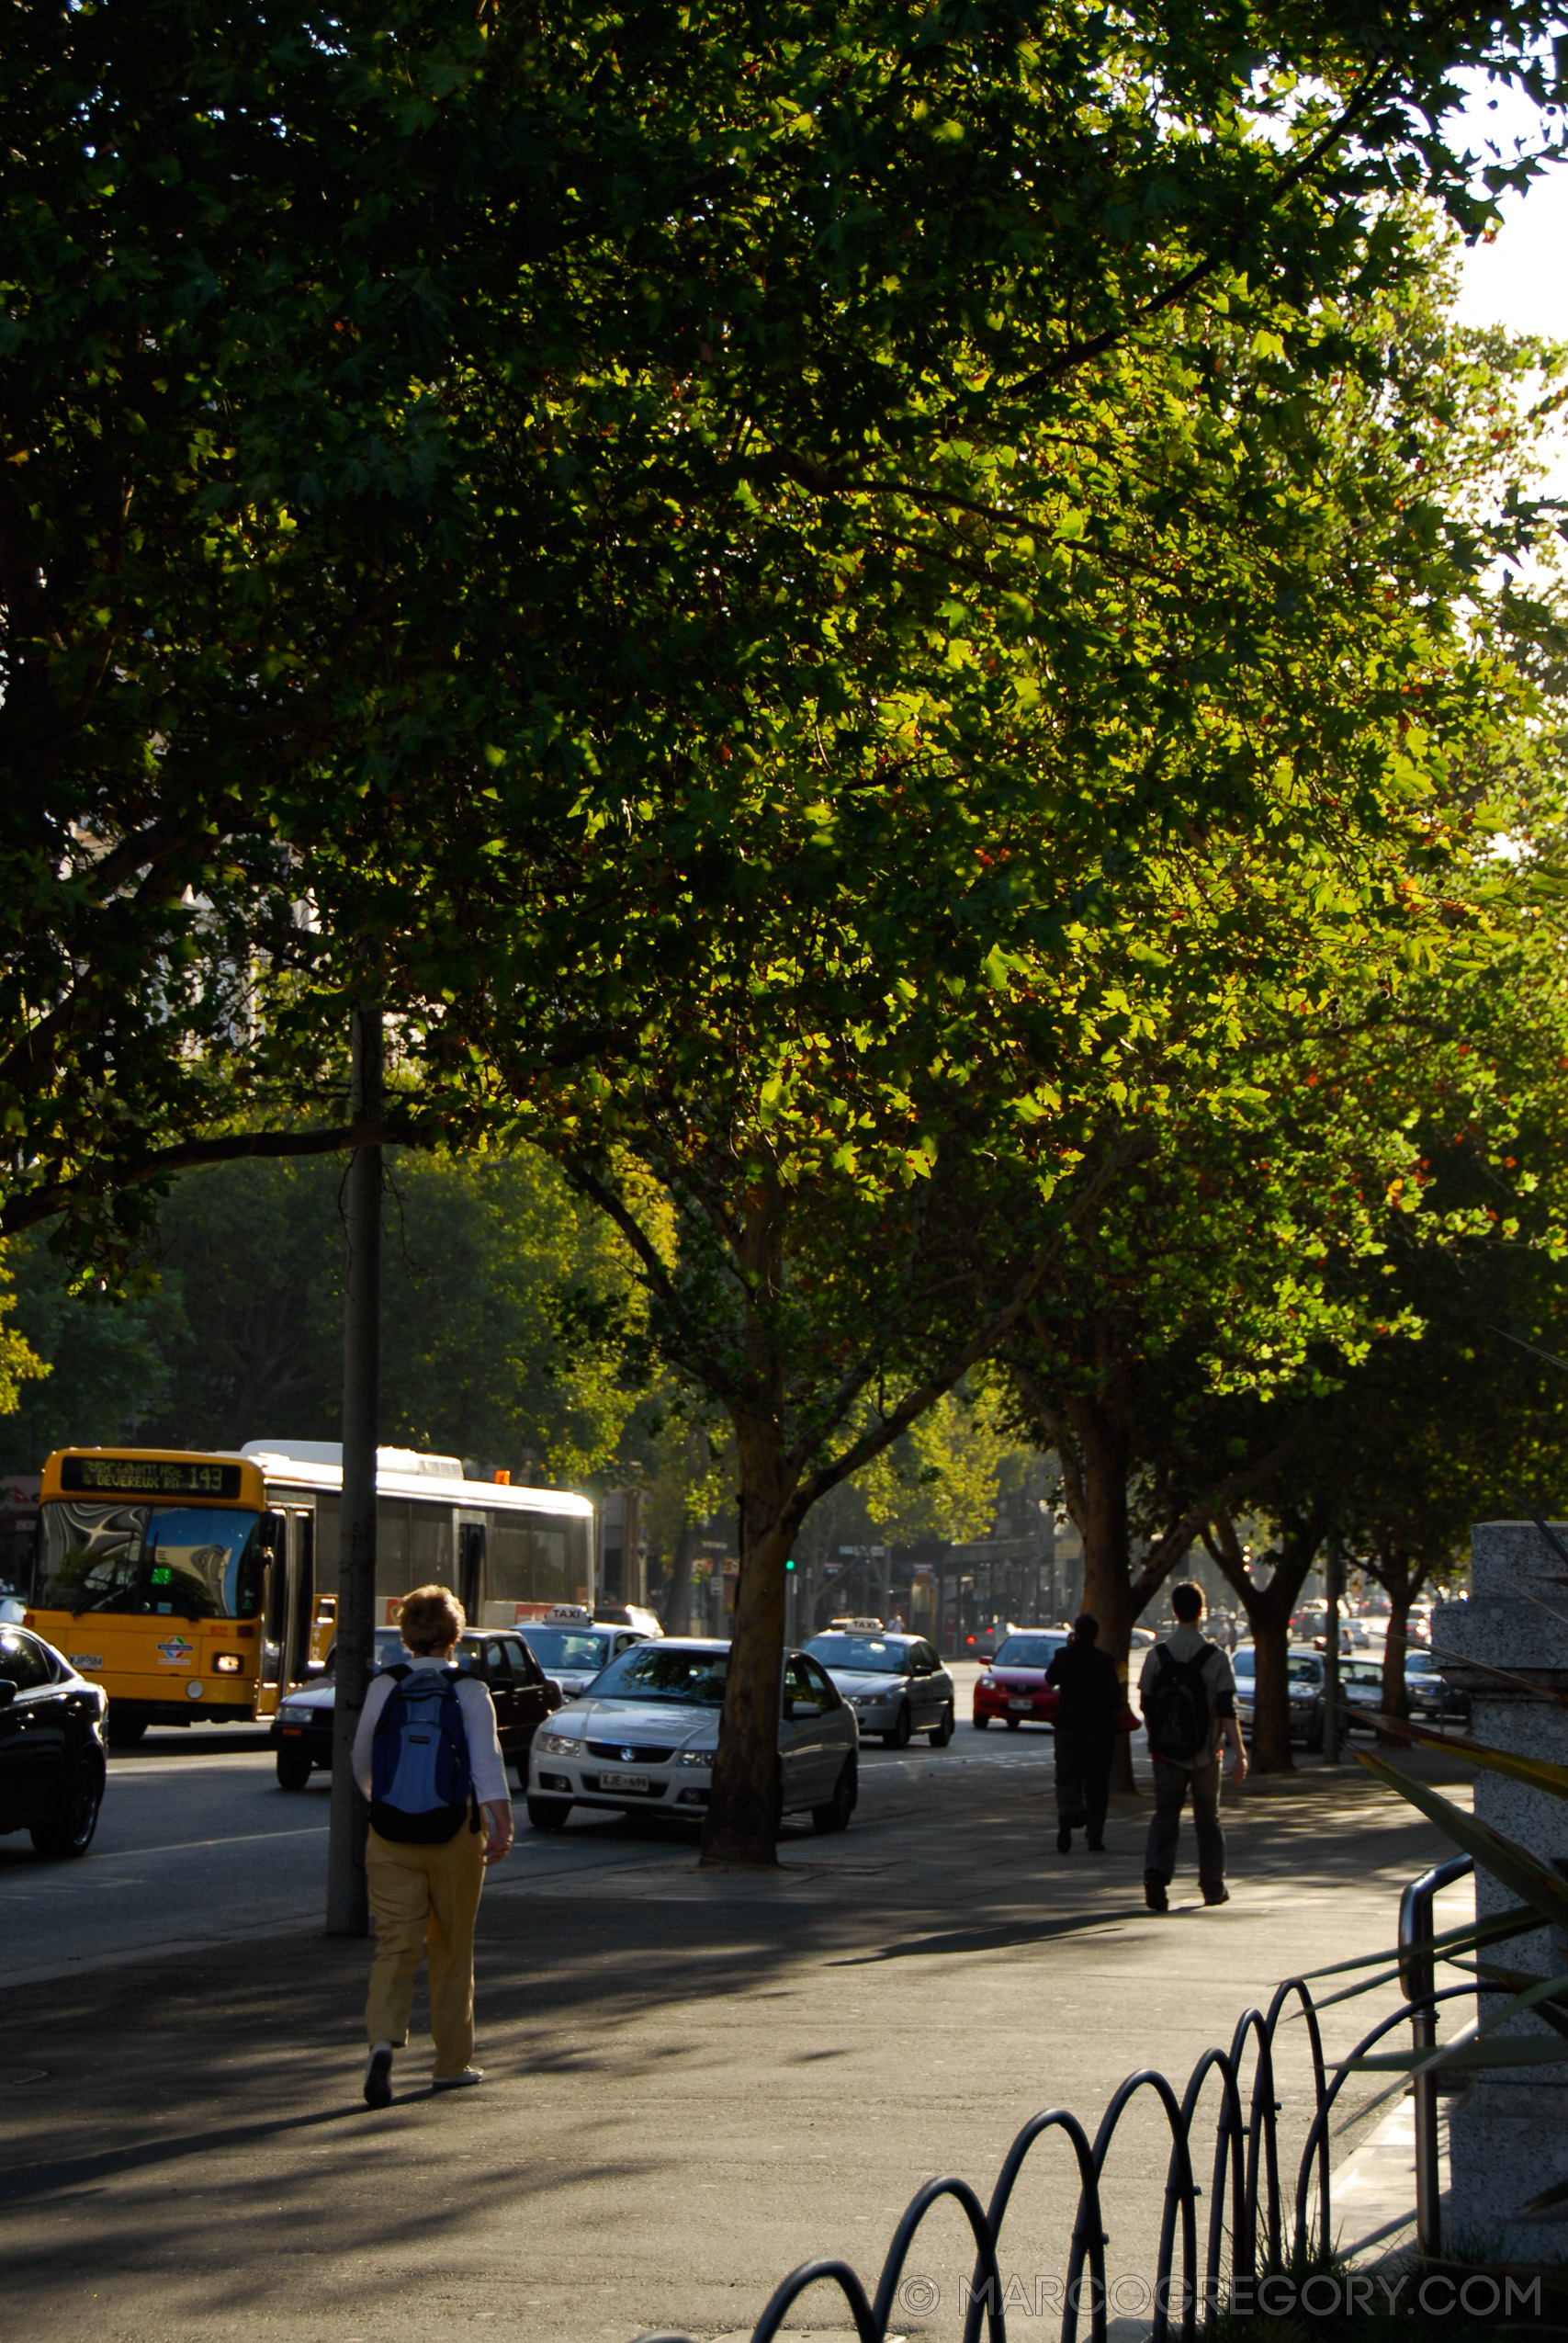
[[676, 1615], [1271, 1751], [1402, 1580], [1268, 1612], [1395, 1693], [742, 1817], [1096, 1487]]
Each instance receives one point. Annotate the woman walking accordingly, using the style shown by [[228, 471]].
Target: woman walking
[[428, 1758]]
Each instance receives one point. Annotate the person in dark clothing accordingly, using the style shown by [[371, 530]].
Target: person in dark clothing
[[1090, 1700]]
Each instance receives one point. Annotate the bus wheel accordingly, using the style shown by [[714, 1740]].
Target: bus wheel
[[125, 1728], [548, 1814], [293, 1770]]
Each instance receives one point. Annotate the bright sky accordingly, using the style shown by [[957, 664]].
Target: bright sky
[[1521, 279]]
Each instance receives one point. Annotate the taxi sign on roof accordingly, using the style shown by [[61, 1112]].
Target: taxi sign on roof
[[568, 1614], [861, 1626]]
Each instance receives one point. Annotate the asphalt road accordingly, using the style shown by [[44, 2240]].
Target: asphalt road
[[197, 1845]]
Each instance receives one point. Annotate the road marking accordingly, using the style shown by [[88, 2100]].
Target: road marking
[[244, 1838]]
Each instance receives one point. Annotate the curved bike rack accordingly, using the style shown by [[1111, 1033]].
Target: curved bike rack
[[1244, 2205]]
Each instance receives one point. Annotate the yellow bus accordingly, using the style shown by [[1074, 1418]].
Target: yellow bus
[[197, 1588]]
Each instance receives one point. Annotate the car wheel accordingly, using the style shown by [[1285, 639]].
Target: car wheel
[[70, 1830], [899, 1737], [1014, 1724], [548, 1814], [940, 1734], [293, 1769], [980, 1723], [124, 1731], [835, 1815]]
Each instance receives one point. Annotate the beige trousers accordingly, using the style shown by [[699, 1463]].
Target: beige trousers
[[425, 1900]]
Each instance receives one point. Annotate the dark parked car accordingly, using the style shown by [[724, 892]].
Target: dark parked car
[[52, 1766], [302, 1729]]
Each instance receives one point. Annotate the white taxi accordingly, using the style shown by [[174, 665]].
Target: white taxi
[[571, 1646], [643, 1739]]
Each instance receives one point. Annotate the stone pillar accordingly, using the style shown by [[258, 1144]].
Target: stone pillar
[[1508, 2134]]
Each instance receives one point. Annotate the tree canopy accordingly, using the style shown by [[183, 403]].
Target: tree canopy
[[386, 394]]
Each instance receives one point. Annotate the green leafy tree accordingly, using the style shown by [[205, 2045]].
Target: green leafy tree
[[241, 1337], [20, 1363], [823, 567], [939, 1479]]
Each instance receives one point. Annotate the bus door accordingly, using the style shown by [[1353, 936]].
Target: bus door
[[301, 1597], [471, 1565], [289, 1612]]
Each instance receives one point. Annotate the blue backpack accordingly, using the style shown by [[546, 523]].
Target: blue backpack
[[422, 1785]]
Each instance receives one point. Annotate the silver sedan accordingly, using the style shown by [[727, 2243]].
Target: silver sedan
[[896, 1683], [644, 1739]]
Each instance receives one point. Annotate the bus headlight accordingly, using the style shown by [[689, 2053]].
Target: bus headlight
[[228, 1663]]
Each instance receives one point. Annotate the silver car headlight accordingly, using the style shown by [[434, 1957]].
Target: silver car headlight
[[695, 1757], [287, 1715], [557, 1744]]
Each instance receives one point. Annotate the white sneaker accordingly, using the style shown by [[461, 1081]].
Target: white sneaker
[[457, 2082]]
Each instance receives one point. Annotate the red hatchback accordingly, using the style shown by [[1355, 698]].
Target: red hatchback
[[1014, 1688]]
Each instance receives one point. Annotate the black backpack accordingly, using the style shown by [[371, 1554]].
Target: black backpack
[[1177, 1715]]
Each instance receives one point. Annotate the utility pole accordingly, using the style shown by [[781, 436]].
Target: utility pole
[[349, 1910], [1331, 1573]]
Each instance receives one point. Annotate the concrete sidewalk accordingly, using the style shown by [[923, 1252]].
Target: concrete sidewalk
[[695, 2081]]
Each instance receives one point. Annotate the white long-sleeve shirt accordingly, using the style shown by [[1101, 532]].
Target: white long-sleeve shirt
[[485, 1761]]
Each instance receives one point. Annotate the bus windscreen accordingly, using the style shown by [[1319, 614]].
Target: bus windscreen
[[175, 1561]]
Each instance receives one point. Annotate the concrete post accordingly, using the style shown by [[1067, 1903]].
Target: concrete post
[[1508, 2134]]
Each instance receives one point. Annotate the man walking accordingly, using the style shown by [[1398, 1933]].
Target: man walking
[[1088, 1706], [1187, 1692]]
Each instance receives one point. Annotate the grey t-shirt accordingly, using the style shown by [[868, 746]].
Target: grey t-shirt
[[1219, 1677]]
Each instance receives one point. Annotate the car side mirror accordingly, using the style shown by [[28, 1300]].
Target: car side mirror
[[554, 1695], [8, 1692]]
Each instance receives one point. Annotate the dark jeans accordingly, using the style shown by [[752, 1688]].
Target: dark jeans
[[1172, 1784], [1083, 1777]]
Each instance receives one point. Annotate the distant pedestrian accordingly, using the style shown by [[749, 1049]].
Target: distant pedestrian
[[1187, 1692], [428, 1758], [1090, 1700]]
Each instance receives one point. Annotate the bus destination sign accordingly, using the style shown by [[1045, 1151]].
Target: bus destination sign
[[148, 1477]]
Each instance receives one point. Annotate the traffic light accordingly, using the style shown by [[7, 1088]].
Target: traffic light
[[790, 1564]]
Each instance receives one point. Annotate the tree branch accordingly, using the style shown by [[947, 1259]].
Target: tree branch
[[980, 1344], [25, 1211]]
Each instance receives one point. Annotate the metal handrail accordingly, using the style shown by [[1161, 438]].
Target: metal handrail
[[1416, 1978]]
